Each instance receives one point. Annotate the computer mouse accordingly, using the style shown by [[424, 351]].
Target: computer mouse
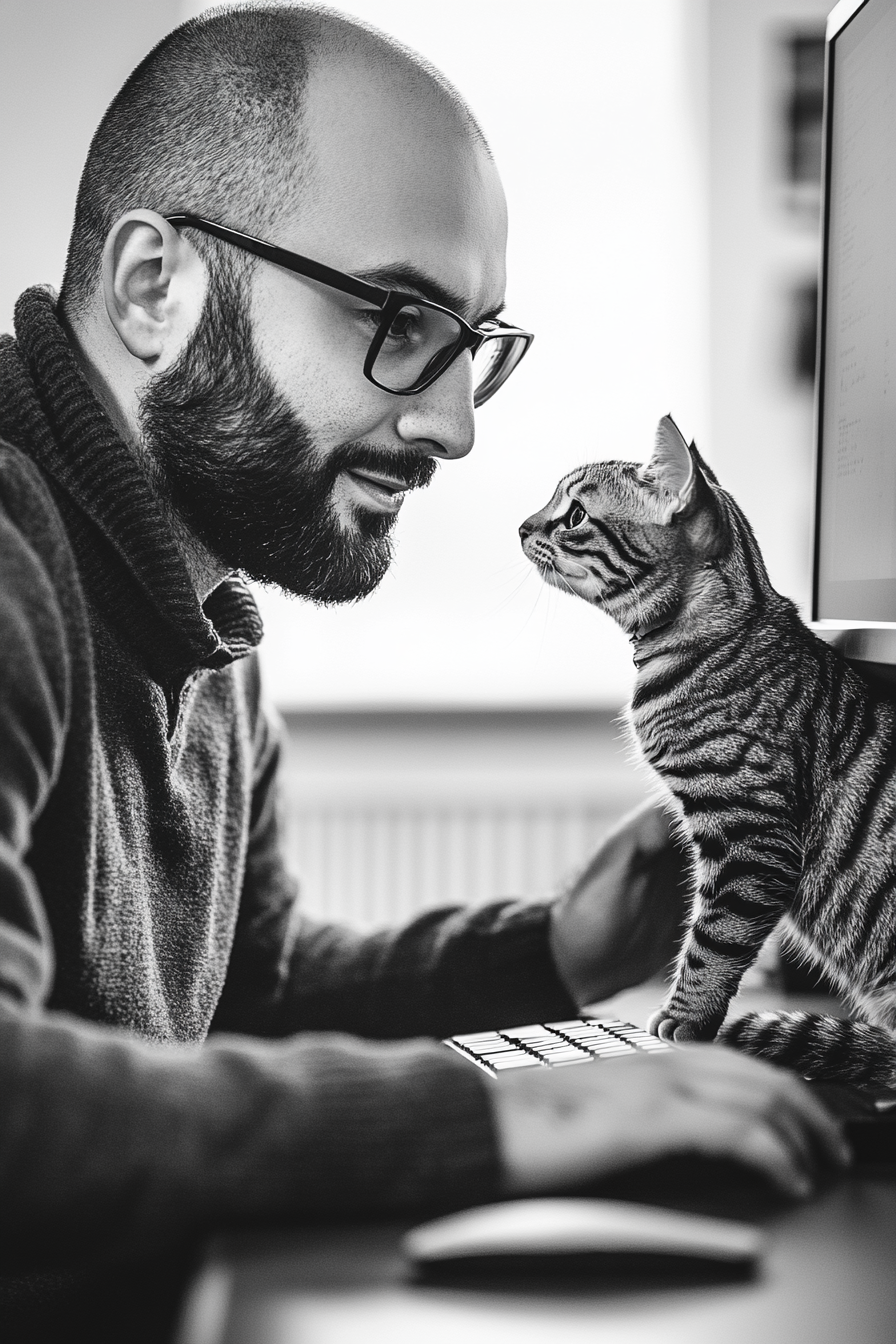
[[579, 1234]]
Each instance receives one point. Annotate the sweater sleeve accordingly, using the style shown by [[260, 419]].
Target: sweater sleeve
[[112, 1146], [447, 971]]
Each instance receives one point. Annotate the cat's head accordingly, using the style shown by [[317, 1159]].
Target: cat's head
[[642, 542]]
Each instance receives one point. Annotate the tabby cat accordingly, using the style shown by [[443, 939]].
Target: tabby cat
[[780, 759]]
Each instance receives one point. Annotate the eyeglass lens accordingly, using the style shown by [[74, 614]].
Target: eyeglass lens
[[494, 362], [422, 341]]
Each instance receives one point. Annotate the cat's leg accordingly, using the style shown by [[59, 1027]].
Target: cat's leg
[[877, 1006], [738, 904], [830, 1049]]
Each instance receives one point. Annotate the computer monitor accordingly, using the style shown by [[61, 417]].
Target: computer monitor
[[854, 579]]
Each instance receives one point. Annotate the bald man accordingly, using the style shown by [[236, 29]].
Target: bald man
[[280, 307]]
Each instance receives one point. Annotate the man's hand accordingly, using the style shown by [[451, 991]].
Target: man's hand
[[558, 1128], [622, 920]]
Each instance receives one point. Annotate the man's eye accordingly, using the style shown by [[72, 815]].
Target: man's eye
[[575, 517], [405, 325]]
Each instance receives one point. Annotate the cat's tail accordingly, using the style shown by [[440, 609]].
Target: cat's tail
[[829, 1048]]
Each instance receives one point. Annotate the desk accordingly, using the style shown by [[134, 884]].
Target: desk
[[829, 1277]]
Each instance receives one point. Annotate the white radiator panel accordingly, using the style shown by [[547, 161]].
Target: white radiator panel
[[372, 863], [388, 814]]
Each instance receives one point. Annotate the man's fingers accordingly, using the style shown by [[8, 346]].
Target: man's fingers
[[796, 1107], [729, 1078], [768, 1150]]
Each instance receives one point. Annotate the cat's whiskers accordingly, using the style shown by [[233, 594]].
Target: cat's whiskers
[[519, 565], [562, 579], [548, 610], [525, 575], [538, 594]]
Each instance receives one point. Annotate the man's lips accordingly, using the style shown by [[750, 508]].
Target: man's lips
[[378, 489]]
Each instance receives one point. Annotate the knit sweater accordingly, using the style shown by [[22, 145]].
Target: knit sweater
[[150, 937]]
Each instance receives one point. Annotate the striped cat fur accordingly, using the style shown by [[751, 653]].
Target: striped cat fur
[[780, 759]]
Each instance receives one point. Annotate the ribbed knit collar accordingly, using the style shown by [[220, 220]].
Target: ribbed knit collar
[[123, 542]]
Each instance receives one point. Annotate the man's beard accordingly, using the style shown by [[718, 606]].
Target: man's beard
[[238, 467]]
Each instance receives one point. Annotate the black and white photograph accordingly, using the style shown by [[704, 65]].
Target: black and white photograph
[[448, 672]]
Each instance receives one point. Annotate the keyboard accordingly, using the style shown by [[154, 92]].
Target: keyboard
[[581, 1040]]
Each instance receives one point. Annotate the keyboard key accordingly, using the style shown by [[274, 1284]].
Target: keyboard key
[[492, 1051], [592, 1036], [574, 1022], [517, 1062], [555, 1056], [494, 1055], [471, 1038]]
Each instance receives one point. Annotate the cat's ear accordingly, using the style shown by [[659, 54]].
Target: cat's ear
[[671, 470]]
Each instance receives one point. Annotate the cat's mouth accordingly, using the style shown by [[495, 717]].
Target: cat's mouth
[[565, 575], [557, 570], [570, 570]]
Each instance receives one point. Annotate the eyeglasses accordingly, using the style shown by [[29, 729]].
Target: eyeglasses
[[415, 340]]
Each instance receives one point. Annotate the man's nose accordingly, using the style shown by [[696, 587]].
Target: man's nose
[[440, 419]]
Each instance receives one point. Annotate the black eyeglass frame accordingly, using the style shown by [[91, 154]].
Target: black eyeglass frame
[[389, 301]]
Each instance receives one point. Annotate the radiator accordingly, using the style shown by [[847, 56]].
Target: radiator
[[373, 862]]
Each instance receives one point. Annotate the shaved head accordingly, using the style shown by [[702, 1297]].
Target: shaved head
[[213, 122]]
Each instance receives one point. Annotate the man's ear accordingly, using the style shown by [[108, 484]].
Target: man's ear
[[154, 286], [671, 470]]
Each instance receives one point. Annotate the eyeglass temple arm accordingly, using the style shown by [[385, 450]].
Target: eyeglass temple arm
[[291, 261]]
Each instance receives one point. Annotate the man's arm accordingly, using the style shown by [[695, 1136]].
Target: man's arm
[[111, 1147], [621, 921]]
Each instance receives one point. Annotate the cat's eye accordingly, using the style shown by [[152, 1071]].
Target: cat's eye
[[575, 517]]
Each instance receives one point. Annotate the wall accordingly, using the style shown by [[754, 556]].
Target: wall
[[762, 246], [61, 62]]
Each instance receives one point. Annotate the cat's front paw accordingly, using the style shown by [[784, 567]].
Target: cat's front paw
[[670, 1028]]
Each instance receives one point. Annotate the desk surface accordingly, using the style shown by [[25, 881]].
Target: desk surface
[[828, 1277]]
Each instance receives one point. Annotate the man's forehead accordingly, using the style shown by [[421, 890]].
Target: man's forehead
[[394, 179]]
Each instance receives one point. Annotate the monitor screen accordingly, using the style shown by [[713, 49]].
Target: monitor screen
[[855, 561]]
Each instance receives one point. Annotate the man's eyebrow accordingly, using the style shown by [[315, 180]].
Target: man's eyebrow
[[402, 276]]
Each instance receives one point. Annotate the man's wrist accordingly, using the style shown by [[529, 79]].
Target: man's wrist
[[619, 922]]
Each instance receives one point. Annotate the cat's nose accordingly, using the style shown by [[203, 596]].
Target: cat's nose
[[527, 528]]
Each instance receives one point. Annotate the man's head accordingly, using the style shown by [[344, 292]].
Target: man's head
[[243, 382]]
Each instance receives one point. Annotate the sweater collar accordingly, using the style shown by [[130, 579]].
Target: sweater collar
[[124, 544]]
